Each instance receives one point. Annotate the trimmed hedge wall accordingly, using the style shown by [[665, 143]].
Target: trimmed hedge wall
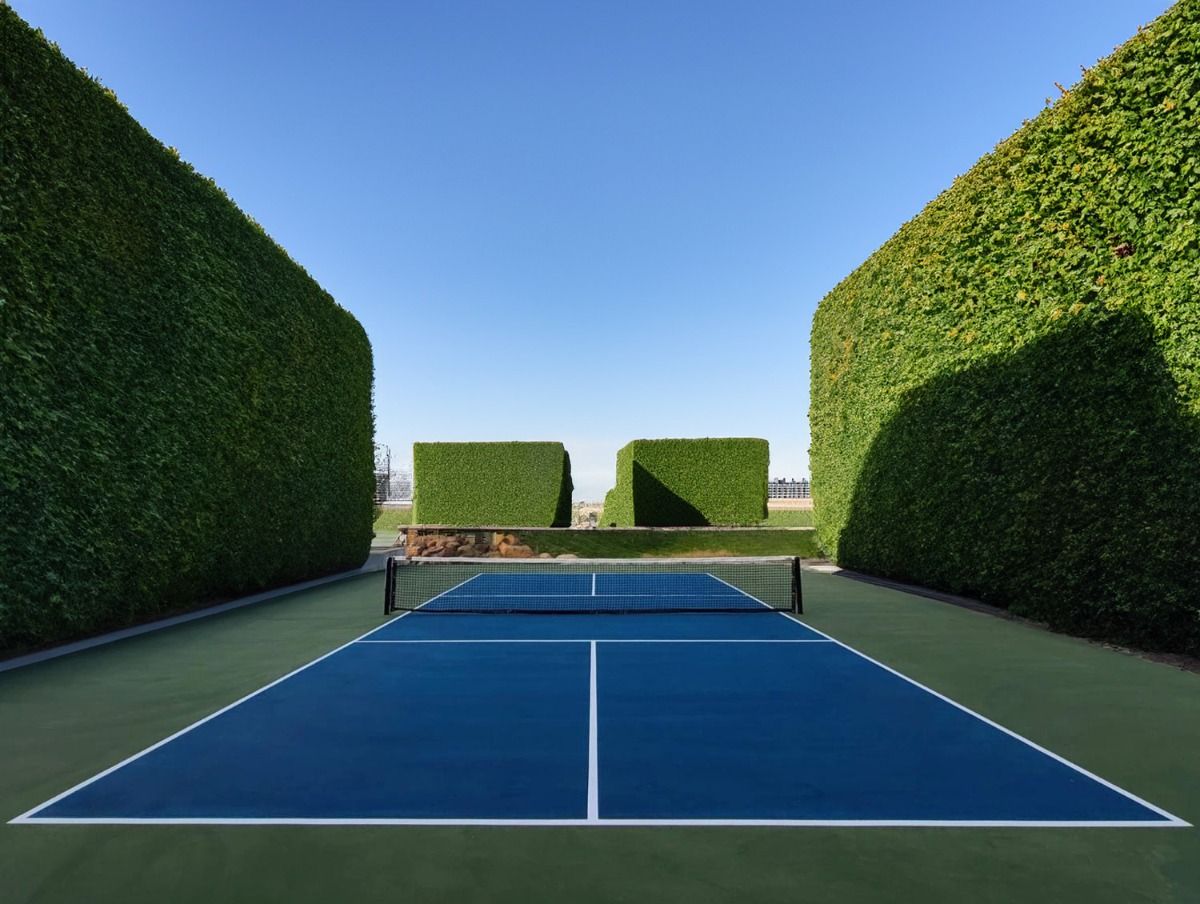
[[683, 482], [485, 484], [1006, 395], [184, 414], [618, 502]]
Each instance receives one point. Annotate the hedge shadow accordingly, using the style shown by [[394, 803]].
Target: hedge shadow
[[668, 507], [1061, 481]]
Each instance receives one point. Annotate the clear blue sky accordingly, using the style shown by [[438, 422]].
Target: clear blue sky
[[586, 221]]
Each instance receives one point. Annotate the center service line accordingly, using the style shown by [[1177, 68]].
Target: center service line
[[593, 792]]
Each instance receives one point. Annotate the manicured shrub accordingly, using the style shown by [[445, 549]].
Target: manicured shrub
[[681, 482], [1006, 395], [185, 414], [492, 484]]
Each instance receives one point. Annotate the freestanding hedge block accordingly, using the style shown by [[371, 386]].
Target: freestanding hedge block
[[682, 482], [184, 414], [1006, 395], [500, 484]]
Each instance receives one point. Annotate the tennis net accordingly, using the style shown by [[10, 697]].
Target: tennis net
[[569, 586]]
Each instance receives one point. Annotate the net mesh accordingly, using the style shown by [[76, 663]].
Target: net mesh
[[593, 585]]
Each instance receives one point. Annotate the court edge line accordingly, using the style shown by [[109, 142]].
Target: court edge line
[[616, 823], [1171, 819], [610, 640], [768, 605], [26, 816], [575, 596], [593, 780]]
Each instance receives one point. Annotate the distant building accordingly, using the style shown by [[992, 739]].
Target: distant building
[[381, 486], [782, 488], [400, 486], [392, 484]]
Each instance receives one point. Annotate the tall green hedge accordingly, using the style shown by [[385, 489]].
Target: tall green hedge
[[1006, 395], [484, 484], [618, 502], [184, 413], [681, 482]]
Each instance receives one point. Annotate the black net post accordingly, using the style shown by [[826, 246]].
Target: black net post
[[797, 590], [389, 586]]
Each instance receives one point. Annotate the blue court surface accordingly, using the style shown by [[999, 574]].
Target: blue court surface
[[629, 592], [648, 719]]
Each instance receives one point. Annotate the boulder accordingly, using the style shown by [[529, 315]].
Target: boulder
[[516, 551]]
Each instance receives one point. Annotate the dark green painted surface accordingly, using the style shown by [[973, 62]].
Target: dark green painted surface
[[1134, 722]]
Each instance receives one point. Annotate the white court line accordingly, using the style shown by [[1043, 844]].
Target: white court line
[[28, 815], [611, 640], [1172, 819], [616, 823], [573, 596], [593, 583], [593, 784], [1169, 820], [742, 592]]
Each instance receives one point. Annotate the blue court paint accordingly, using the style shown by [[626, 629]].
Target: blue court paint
[[573, 604], [560, 592], [378, 731], [525, 582], [812, 732], [765, 625], [422, 721], [667, 585]]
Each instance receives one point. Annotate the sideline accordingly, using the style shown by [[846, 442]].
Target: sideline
[[376, 561]]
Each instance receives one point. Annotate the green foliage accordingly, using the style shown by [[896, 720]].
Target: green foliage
[[789, 518], [392, 518], [562, 514], [159, 353], [682, 482], [492, 484], [1018, 368], [618, 502]]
